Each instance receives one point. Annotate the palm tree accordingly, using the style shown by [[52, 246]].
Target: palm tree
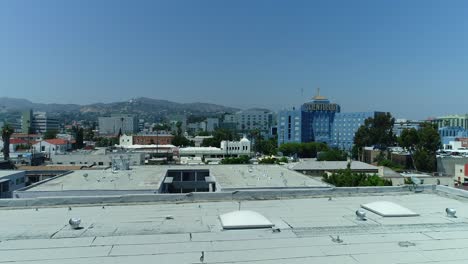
[[7, 130]]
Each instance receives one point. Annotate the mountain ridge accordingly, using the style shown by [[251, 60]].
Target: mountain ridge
[[139, 106]]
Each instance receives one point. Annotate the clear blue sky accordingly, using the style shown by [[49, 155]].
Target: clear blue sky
[[406, 57]]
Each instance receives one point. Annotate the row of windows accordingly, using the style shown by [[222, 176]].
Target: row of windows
[[238, 148]]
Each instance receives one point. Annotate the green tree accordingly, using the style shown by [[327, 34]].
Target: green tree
[[106, 142], [409, 139], [262, 145], [266, 146], [424, 157], [302, 150], [219, 135], [179, 139], [332, 155], [348, 178], [244, 159], [162, 127], [88, 134], [203, 133], [79, 138], [50, 134], [424, 160], [7, 131], [377, 131]]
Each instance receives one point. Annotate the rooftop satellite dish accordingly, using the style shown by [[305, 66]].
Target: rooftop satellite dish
[[451, 212], [361, 215]]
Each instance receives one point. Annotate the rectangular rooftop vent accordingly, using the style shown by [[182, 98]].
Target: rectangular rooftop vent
[[388, 209]]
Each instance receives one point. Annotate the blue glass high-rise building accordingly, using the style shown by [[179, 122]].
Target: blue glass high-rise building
[[289, 126], [321, 121], [345, 127], [317, 119]]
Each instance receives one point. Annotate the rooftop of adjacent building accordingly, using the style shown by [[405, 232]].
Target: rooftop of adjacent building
[[5, 173], [452, 116], [313, 164], [227, 177], [320, 229]]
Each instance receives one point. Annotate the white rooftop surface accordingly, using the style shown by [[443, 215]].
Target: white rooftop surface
[[309, 230], [388, 209], [139, 178], [258, 176], [150, 177], [312, 164]]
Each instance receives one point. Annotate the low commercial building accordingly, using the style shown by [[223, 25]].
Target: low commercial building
[[99, 157], [400, 179], [313, 167], [39, 173], [53, 146], [461, 176], [227, 149], [169, 179], [11, 180], [447, 165], [146, 139]]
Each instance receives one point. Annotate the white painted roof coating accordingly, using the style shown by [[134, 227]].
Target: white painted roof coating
[[140, 233], [150, 178], [312, 164], [244, 219], [388, 209]]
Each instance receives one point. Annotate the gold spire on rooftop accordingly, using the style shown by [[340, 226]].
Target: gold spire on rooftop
[[318, 96]]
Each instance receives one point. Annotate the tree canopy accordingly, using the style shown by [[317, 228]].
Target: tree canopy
[[244, 159], [179, 139], [422, 144], [78, 132], [50, 134], [262, 145], [219, 135], [7, 131], [347, 178], [302, 150], [332, 155], [376, 131]]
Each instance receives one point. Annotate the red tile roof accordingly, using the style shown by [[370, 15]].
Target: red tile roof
[[16, 141], [57, 141]]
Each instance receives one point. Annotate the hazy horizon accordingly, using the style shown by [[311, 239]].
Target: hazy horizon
[[404, 57]]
